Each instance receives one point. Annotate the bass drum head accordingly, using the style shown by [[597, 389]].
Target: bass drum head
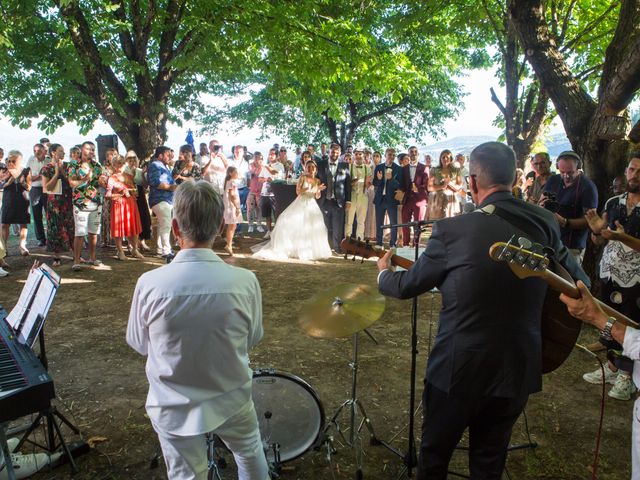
[[289, 413]]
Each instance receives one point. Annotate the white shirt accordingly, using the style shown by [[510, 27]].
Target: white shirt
[[631, 349], [243, 172], [264, 173], [196, 320], [35, 166]]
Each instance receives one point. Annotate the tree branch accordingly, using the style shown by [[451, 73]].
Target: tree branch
[[565, 22], [589, 28], [496, 100], [500, 33], [382, 111]]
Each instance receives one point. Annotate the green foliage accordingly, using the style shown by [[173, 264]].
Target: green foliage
[[361, 66]]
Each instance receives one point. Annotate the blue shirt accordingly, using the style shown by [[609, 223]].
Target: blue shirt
[[159, 173], [574, 201]]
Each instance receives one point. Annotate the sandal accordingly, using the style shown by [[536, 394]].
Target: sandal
[[24, 252], [121, 255], [57, 262], [229, 250], [137, 254], [96, 263], [77, 267]]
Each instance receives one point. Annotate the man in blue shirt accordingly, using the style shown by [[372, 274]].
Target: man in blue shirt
[[161, 188], [569, 194]]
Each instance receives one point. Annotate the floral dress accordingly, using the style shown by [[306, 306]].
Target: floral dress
[[181, 168], [59, 211]]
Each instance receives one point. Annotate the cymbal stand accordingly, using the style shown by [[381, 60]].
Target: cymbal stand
[[355, 408]]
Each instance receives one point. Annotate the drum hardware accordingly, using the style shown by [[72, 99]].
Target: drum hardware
[[340, 311], [213, 443]]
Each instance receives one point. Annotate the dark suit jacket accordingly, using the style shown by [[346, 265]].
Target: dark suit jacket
[[393, 184], [421, 179], [341, 182], [488, 341]]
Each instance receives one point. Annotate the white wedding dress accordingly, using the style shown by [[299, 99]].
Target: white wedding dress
[[300, 231]]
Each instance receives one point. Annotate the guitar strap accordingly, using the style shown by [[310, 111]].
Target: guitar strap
[[529, 229]]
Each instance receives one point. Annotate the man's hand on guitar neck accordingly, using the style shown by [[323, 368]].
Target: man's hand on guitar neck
[[586, 309], [384, 263]]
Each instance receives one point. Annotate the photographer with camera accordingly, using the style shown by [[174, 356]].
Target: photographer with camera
[[569, 194]]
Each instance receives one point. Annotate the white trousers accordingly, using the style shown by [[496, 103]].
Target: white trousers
[[358, 210], [186, 457], [163, 212], [635, 442]]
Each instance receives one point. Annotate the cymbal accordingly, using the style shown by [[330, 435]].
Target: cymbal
[[341, 310]]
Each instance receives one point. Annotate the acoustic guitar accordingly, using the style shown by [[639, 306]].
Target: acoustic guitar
[[559, 330]]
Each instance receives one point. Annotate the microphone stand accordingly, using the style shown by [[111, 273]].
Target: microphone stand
[[409, 458]]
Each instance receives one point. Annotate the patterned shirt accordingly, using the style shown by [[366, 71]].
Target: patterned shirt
[[621, 263], [159, 173], [86, 192], [180, 168]]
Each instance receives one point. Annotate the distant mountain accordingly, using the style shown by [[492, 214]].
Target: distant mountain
[[463, 144], [554, 144]]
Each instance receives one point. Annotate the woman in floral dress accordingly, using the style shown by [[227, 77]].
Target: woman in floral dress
[[59, 211]]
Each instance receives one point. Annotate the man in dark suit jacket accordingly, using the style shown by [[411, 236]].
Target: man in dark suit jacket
[[334, 200], [486, 358], [387, 179], [415, 178]]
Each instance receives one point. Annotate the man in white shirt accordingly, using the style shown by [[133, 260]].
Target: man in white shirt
[[195, 320], [36, 198], [586, 309]]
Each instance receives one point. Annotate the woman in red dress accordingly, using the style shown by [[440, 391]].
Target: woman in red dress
[[125, 217]]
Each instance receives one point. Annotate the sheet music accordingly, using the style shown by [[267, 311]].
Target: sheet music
[[19, 310], [38, 312]]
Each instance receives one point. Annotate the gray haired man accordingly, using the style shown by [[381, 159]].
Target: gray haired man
[[195, 320]]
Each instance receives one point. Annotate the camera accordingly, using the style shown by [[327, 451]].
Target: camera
[[217, 148], [552, 202]]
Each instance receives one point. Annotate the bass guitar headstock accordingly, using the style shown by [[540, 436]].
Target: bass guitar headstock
[[525, 258]]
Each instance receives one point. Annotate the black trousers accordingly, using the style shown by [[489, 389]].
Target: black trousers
[[145, 215], [490, 421], [334, 220], [38, 202]]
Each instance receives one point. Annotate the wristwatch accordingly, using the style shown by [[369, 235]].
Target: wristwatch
[[605, 334]]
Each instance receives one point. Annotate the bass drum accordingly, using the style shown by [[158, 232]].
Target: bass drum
[[290, 414]]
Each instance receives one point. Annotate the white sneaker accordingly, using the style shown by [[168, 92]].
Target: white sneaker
[[596, 375], [3, 272], [623, 388], [250, 229], [267, 235], [260, 228]]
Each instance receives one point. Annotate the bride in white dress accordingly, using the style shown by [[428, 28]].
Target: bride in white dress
[[300, 231]]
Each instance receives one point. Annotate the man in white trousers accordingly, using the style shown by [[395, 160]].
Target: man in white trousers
[[195, 320]]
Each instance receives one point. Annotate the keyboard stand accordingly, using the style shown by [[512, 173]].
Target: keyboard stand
[[53, 419], [6, 454]]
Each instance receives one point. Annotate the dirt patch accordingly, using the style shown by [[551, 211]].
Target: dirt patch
[[101, 383]]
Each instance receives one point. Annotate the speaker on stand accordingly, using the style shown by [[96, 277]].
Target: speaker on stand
[[104, 142]]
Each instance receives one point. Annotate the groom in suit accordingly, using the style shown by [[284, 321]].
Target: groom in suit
[[335, 199], [415, 178], [387, 179]]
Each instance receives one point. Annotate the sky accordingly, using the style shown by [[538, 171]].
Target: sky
[[475, 119]]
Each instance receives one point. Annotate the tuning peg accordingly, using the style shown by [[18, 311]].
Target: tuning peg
[[525, 243]]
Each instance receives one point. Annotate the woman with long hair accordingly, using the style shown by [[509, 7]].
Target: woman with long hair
[[125, 218], [59, 210], [445, 187], [15, 200], [232, 212]]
